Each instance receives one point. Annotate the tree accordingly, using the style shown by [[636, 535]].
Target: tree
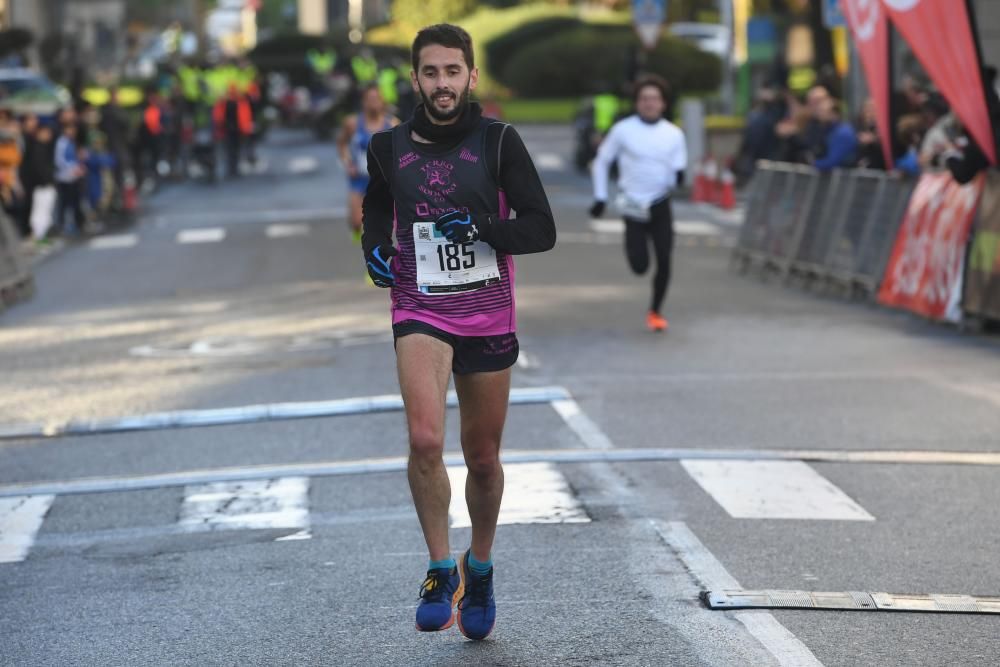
[[416, 14]]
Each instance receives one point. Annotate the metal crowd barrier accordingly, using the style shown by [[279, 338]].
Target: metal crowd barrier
[[16, 281], [836, 227]]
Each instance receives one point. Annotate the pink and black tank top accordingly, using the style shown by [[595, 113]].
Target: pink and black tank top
[[425, 186]]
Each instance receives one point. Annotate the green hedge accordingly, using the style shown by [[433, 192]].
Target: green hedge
[[501, 49], [581, 60]]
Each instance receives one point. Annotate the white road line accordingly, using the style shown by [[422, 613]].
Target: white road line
[[681, 227], [255, 413], [571, 456], [584, 427], [20, 519], [533, 493], [248, 504], [303, 164], [252, 217], [285, 231], [787, 649], [550, 161], [204, 235], [590, 238], [773, 490], [527, 361], [111, 242]]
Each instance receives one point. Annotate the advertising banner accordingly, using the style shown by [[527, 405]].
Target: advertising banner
[[982, 274], [940, 34], [924, 274], [870, 30]]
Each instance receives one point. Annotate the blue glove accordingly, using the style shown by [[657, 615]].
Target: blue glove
[[457, 227], [379, 268]]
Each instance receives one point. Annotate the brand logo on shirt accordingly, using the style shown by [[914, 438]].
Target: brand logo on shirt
[[468, 156], [407, 160], [437, 180], [425, 211]]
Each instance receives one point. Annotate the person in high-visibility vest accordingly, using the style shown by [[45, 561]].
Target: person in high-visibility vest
[[365, 67], [606, 106], [387, 79], [233, 121], [322, 62]]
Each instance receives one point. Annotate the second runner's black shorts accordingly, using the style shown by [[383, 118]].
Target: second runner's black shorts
[[472, 354]]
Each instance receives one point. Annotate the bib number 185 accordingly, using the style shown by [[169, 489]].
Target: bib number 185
[[456, 256]]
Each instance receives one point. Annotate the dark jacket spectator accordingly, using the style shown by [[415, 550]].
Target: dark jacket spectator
[[841, 141]]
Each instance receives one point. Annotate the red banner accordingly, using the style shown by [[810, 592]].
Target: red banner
[[924, 273], [940, 34], [870, 30]]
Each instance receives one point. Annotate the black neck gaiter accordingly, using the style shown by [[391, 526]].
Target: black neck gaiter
[[446, 134]]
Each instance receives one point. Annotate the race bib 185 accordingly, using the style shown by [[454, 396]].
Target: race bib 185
[[447, 268]]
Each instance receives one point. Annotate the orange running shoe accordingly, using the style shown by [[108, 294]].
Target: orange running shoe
[[656, 322]]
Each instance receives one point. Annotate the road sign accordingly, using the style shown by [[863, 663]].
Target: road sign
[[833, 16], [648, 17]]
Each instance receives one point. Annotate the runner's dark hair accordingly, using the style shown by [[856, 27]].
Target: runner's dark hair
[[442, 34], [654, 80]]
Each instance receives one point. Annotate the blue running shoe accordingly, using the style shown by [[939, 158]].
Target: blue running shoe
[[477, 612], [439, 593]]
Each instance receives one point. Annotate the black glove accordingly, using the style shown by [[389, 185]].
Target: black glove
[[379, 268], [458, 227], [597, 210]]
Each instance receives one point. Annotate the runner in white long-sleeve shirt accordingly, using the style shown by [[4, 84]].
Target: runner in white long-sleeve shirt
[[652, 155]]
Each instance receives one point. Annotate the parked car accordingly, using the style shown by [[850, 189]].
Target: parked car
[[25, 91]]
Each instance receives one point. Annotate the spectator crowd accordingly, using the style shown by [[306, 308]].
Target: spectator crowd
[[814, 130]]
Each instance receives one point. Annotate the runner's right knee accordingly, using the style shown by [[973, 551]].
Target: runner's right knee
[[426, 442]]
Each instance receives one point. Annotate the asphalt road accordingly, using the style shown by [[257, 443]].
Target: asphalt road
[[251, 293]]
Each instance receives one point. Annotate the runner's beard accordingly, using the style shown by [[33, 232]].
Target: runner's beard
[[461, 103]]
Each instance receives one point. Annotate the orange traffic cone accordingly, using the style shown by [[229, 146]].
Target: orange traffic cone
[[726, 191], [703, 181]]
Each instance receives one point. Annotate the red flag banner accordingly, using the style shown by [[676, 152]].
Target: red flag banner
[[924, 273], [940, 34], [870, 30]]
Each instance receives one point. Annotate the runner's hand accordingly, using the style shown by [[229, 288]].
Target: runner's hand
[[597, 209], [458, 227], [379, 267]]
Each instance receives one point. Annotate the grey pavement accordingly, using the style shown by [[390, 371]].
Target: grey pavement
[[257, 317]]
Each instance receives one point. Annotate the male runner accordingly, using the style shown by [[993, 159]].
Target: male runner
[[651, 155], [352, 146], [446, 182]]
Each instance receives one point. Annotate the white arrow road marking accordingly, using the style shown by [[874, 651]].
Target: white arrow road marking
[[204, 235], [255, 504], [533, 493], [20, 519], [774, 490], [116, 241]]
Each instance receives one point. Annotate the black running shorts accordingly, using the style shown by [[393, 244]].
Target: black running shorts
[[472, 354]]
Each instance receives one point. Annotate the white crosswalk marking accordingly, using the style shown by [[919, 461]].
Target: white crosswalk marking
[[550, 161], [533, 493], [285, 231], [116, 241], [681, 227], [204, 235], [303, 164], [257, 504], [20, 519], [773, 490]]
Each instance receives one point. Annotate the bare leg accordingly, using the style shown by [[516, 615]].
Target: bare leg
[[424, 365], [483, 400], [354, 221]]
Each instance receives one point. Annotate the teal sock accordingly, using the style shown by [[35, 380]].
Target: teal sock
[[481, 568], [447, 563]]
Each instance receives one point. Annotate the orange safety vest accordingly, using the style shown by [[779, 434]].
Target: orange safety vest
[[153, 119], [244, 116]]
